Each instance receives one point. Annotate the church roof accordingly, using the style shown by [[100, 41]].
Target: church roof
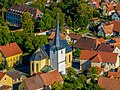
[[39, 55], [64, 43]]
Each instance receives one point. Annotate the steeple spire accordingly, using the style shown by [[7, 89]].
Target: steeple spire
[[57, 33]]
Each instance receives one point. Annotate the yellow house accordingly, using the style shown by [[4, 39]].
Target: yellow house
[[6, 80], [10, 54]]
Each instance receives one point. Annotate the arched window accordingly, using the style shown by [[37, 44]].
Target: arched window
[[37, 67], [69, 58], [33, 67]]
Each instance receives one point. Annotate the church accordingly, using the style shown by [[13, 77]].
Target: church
[[56, 54]]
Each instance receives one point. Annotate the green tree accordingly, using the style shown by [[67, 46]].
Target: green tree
[[93, 72], [4, 33], [45, 22], [57, 86], [76, 53], [71, 72], [27, 23], [39, 41]]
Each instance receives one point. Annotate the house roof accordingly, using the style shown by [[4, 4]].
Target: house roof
[[74, 36], [118, 7], [99, 69], [1, 75], [108, 29], [101, 40], [50, 77], [97, 57], [116, 27], [110, 7], [113, 74], [10, 49], [118, 12], [52, 35], [95, 1], [39, 55], [95, 19], [115, 42], [109, 84], [14, 74], [34, 83], [20, 9], [86, 43], [105, 47]]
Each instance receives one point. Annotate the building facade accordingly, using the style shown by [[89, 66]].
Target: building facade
[[57, 54], [10, 54], [13, 14]]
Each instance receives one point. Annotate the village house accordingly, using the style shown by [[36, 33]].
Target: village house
[[86, 43], [10, 54], [116, 15], [95, 3], [110, 8], [105, 30], [117, 8], [57, 54], [109, 83], [5, 82], [74, 37], [109, 29], [16, 75], [116, 28], [106, 60], [13, 14], [52, 36], [108, 48], [42, 81]]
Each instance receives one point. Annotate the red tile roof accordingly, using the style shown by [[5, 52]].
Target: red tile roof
[[10, 49], [95, 56], [110, 7], [74, 36], [105, 47], [114, 74], [86, 43], [101, 40], [34, 83], [108, 29], [118, 7], [50, 77], [1, 75], [97, 59], [109, 84], [52, 35], [116, 27], [95, 1]]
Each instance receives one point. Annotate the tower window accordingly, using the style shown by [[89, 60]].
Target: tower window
[[61, 51]]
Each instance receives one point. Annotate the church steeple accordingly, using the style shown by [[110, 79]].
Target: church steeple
[[57, 34]]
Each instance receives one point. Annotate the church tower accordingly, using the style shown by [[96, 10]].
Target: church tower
[[57, 52]]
